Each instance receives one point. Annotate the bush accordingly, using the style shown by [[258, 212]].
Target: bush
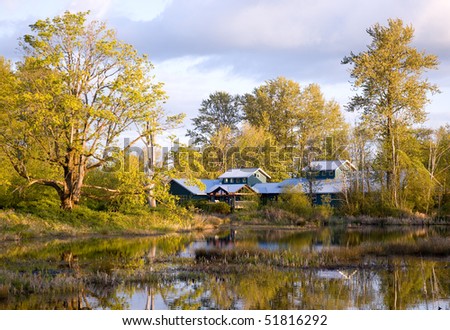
[[214, 207], [322, 213], [278, 216], [295, 202]]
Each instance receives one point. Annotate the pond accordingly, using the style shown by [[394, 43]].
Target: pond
[[162, 272]]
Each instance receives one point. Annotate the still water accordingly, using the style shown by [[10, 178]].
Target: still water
[[161, 273]]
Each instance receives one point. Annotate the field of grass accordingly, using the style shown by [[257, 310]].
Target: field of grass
[[42, 220]]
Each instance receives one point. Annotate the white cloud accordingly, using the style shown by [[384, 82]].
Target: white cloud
[[140, 10], [7, 29], [187, 83], [206, 45], [432, 24], [134, 10], [13, 10], [99, 8]]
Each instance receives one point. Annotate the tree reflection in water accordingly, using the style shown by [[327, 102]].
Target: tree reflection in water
[[266, 288], [155, 273]]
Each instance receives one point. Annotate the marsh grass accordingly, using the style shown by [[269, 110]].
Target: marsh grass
[[401, 220], [327, 258], [283, 259], [15, 283], [430, 247], [51, 277], [22, 283]]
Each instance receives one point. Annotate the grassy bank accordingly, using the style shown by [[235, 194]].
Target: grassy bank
[[44, 220]]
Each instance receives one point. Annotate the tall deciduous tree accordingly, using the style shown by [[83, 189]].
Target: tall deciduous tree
[[255, 147], [300, 119], [218, 111], [77, 89], [275, 106], [321, 128], [393, 92]]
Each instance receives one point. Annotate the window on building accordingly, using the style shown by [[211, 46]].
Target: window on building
[[225, 180], [244, 180], [231, 180], [238, 180]]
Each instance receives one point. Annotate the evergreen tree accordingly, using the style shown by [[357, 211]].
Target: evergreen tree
[[218, 111]]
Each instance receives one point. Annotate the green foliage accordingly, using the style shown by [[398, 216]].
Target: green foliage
[[75, 91], [46, 218], [322, 213], [250, 202], [258, 148], [296, 202], [220, 110], [392, 95], [213, 207], [417, 185], [189, 163], [433, 147], [389, 76], [131, 186], [300, 120], [444, 210], [275, 106]]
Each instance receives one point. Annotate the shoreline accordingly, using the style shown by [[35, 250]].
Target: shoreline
[[21, 226]]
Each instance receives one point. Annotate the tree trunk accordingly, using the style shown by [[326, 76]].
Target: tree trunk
[[392, 177], [395, 175], [150, 198], [151, 155], [67, 202], [74, 173]]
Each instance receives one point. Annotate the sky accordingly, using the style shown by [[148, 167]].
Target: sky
[[202, 46]]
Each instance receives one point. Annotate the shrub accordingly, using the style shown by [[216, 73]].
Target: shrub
[[322, 213], [282, 217], [214, 207], [295, 202]]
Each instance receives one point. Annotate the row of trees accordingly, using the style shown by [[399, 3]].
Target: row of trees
[[279, 126]]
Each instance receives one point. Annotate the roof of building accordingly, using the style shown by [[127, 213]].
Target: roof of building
[[196, 190], [268, 188], [292, 182], [242, 173], [329, 165], [209, 183], [320, 186], [330, 187], [229, 188]]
